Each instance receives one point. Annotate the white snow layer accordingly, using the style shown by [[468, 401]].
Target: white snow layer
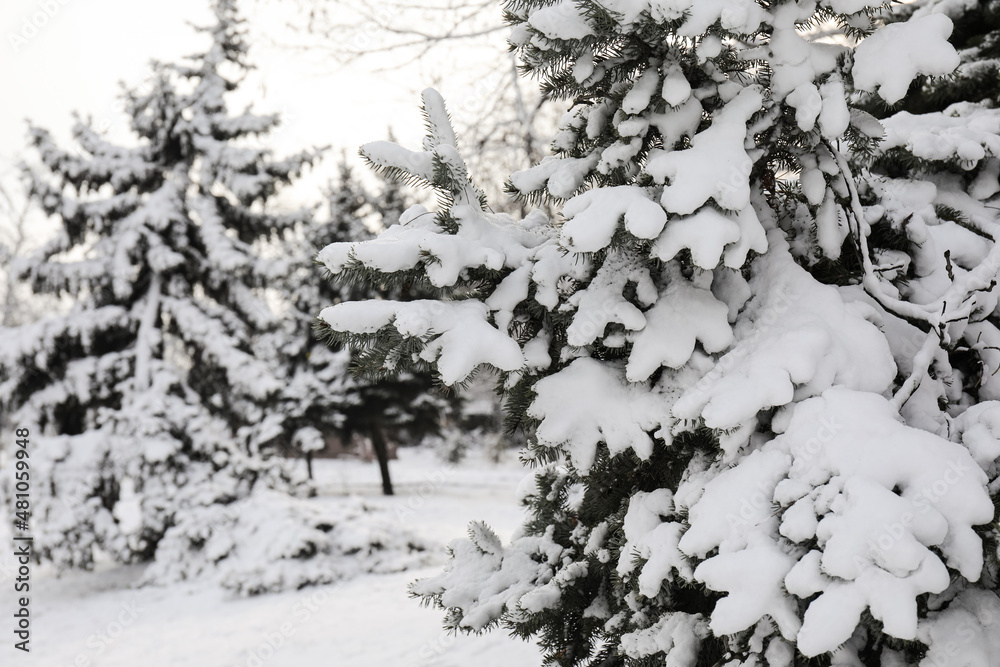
[[796, 339], [273, 542], [876, 495], [493, 577], [606, 409], [888, 60], [459, 337], [963, 132], [716, 166]]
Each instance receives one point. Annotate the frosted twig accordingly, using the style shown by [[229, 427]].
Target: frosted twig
[[938, 313], [870, 281]]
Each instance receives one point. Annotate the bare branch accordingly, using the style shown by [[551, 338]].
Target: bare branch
[[14, 212], [499, 111]]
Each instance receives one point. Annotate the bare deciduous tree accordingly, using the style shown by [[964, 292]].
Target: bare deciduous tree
[[501, 116]]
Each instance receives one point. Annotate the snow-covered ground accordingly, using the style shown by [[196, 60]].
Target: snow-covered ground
[[99, 619]]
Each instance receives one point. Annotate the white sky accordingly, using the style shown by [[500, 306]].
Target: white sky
[[74, 59]]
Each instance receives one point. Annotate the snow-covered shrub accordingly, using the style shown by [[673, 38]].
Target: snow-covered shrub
[[756, 356], [272, 542]]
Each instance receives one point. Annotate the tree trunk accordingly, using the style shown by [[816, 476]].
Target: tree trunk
[[309, 464], [382, 453]]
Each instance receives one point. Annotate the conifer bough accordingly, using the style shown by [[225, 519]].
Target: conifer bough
[[756, 354]]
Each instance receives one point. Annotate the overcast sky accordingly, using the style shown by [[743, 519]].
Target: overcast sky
[[58, 56]]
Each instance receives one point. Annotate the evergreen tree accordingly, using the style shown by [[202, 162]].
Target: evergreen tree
[[320, 387], [327, 399], [148, 397], [722, 353]]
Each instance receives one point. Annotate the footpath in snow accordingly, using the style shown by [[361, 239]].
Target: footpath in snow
[[99, 619]]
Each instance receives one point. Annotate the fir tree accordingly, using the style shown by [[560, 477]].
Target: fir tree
[[327, 398], [149, 397], [716, 351], [320, 386]]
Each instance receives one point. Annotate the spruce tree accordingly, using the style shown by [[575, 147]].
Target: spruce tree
[[320, 386], [149, 397], [716, 349], [383, 408]]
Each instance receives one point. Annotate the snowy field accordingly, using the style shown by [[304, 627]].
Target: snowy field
[[100, 619]]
